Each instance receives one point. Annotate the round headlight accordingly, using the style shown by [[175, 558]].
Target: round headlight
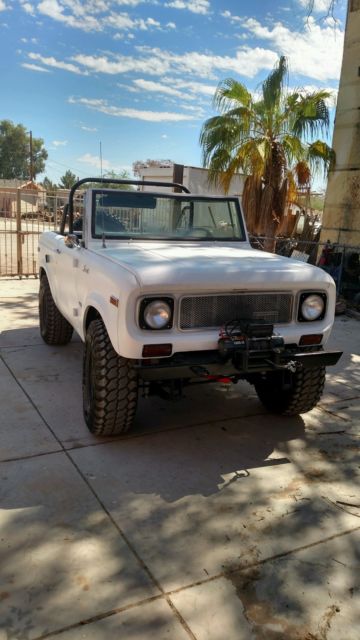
[[157, 314], [312, 307]]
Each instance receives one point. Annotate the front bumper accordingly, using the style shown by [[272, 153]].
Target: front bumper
[[241, 364]]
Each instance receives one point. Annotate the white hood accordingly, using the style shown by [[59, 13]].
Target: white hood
[[199, 266]]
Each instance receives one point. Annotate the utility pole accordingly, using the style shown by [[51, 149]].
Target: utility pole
[[31, 158]]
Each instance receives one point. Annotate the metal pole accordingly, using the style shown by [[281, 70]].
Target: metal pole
[[31, 158], [19, 234]]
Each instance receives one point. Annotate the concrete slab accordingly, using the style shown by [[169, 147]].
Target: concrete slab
[[201, 488], [62, 560], [254, 495], [151, 621], [23, 432], [52, 378], [295, 597], [214, 611], [19, 312]]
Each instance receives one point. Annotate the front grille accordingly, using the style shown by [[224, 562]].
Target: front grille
[[214, 310]]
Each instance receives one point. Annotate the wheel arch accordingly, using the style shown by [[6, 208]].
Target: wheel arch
[[95, 311], [91, 314]]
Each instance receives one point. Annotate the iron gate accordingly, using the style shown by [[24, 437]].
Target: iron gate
[[24, 215]]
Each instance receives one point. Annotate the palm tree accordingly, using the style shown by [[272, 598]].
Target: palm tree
[[272, 139]]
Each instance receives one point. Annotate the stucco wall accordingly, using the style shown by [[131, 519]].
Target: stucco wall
[[341, 219]]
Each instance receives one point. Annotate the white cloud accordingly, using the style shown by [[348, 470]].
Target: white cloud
[[28, 8], [81, 20], [315, 52], [123, 64], [164, 136], [319, 6], [171, 25], [123, 112], [122, 21], [154, 61], [231, 17], [134, 3], [35, 67], [94, 161], [176, 88], [153, 23], [93, 15], [3, 6], [57, 64], [59, 143], [195, 6], [91, 129]]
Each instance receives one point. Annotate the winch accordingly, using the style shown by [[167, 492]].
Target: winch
[[239, 335]]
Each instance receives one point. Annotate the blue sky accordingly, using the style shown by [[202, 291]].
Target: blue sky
[[139, 75]]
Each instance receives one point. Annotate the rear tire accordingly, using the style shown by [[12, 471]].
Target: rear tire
[[110, 385], [54, 328], [291, 393]]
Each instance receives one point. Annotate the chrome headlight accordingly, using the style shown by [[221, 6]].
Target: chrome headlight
[[156, 313], [312, 307]]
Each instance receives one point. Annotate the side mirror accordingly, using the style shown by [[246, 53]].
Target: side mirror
[[72, 241]]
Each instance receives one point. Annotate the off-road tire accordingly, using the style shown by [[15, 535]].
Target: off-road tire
[[110, 385], [54, 328], [291, 393]]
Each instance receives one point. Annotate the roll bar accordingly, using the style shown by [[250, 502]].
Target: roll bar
[[69, 208]]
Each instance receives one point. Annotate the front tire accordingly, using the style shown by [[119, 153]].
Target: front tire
[[110, 385], [291, 393], [54, 328]]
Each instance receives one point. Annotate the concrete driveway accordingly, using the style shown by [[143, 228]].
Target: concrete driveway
[[213, 520]]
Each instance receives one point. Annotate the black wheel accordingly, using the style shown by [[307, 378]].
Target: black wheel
[[54, 328], [110, 385], [291, 393]]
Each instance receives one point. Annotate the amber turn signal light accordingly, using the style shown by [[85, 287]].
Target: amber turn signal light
[[156, 350], [311, 338]]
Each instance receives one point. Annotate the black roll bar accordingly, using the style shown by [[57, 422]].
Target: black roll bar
[[69, 208]]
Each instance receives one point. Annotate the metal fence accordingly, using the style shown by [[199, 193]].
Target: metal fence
[[341, 261], [25, 214]]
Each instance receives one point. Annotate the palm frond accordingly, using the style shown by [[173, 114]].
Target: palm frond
[[272, 87], [294, 149], [311, 114], [321, 157], [230, 93]]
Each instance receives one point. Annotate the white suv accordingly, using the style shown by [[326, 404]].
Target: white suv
[[165, 289]]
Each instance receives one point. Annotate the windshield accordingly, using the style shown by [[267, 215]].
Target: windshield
[[148, 216]]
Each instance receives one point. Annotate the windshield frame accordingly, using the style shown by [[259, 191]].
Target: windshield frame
[[175, 238]]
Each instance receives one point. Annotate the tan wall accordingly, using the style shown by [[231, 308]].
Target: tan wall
[[341, 219]]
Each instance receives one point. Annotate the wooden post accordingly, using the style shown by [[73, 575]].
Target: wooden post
[[19, 234]]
